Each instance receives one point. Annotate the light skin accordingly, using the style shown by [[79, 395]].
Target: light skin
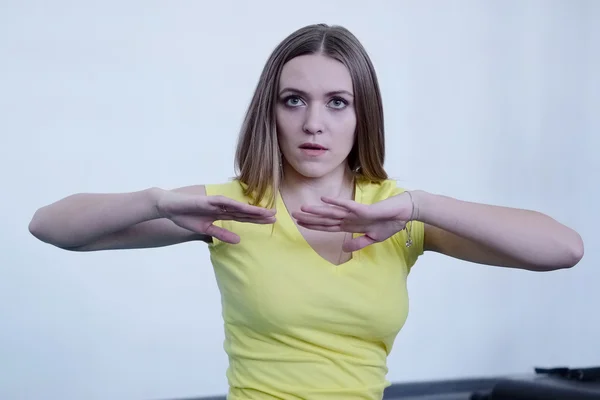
[[317, 188], [315, 105]]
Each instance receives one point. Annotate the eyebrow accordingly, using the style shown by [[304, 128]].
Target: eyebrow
[[303, 93]]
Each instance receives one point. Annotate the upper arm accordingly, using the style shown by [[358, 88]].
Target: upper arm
[[148, 234], [449, 244]]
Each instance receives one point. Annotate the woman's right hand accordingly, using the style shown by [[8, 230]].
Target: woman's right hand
[[197, 213]]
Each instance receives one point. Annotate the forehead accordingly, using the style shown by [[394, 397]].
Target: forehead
[[315, 73]]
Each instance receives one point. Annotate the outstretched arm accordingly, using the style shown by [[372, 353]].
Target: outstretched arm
[[479, 233], [495, 235], [149, 218]]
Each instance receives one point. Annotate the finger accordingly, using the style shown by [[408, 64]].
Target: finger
[[326, 211], [225, 204], [315, 219], [241, 210], [245, 218], [344, 203], [229, 215], [251, 220], [358, 243], [323, 228], [222, 234]]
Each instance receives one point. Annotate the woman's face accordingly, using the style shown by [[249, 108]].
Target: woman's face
[[316, 119]]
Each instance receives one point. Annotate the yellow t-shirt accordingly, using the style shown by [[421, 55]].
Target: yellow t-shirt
[[300, 327]]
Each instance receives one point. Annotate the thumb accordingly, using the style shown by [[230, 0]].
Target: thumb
[[358, 243], [222, 234]]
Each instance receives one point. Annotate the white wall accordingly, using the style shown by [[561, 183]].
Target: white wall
[[492, 101]]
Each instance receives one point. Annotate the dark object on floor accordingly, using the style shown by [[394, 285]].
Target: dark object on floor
[[544, 384], [591, 374], [459, 389], [550, 384]]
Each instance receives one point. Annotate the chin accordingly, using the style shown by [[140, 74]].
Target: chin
[[314, 170]]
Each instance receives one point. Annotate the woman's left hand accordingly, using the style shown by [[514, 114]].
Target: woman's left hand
[[377, 221]]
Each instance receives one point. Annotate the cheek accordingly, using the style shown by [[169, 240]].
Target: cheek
[[286, 126], [290, 124], [347, 129]]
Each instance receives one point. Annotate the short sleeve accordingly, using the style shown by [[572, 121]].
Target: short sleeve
[[233, 190]]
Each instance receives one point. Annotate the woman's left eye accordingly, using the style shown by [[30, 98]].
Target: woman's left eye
[[338, 103]]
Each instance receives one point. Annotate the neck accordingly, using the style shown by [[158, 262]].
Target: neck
[[338, 183]]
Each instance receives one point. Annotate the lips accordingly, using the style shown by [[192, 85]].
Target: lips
[[312, 146]]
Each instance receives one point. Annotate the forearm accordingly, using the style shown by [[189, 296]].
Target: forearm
[[530, 237], [82, 218]]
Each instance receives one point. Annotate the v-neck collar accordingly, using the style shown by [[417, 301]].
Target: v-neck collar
[[289, 224]]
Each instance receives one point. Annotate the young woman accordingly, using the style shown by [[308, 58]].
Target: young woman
[[312, 243]]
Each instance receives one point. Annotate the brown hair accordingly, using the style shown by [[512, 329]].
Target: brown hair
[[257, 159]]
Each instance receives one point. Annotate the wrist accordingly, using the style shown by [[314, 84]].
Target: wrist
[[152, 197], [419, 200]]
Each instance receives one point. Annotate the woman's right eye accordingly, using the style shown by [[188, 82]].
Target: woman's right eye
[[293, 101]]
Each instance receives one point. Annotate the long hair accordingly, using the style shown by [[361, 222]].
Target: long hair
[[257, 159]]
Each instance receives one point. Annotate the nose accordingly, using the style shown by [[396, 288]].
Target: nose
[[314, 121]]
